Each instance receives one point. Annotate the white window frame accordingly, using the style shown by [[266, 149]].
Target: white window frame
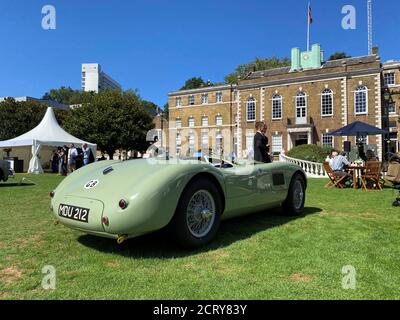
[[251, 100], [325, 94], [219, 120], [218, 97], [218, 141], [250, 144], [361, 89], [178, 139], [191, 143], [178, 123], [392, 122], [394, 79], [191, 100], [301, 95], [395, 107], [204, 121], [178, 102], [204, 98], [276, 146], [204, 140], [191, 122], [276, 98], [325, 136]]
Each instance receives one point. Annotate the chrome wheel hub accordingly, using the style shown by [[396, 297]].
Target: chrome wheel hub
[[200, 213]]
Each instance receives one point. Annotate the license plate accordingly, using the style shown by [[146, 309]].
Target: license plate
[[73, 213]]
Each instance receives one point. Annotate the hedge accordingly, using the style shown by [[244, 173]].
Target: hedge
[[310, 152]]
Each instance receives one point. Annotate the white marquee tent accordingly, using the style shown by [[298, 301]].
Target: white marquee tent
[[47, 133]]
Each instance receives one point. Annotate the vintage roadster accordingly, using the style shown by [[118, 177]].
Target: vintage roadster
[[188, 196]]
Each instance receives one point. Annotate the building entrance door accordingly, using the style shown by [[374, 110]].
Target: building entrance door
[[301, 139]]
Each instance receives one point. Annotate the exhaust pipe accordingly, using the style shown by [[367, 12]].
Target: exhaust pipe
[[122, 238]]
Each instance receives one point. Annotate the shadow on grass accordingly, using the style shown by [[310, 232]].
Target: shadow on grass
[[16, 184], [160, 245]]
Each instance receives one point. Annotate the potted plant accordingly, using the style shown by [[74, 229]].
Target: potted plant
[[7, 151]]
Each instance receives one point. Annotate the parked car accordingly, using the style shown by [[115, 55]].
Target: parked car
[[122, 200], [5, 170]]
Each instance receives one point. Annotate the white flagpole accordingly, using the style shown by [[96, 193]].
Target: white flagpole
[[308, 27]]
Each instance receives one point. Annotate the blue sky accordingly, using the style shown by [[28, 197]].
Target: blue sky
[[155, 45]]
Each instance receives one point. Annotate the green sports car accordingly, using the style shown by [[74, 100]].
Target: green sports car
[[190, 197]]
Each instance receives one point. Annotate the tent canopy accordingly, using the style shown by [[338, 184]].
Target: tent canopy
[[49, 133], [358, 129]]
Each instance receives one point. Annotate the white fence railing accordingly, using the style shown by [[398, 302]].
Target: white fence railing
[[312, 169]]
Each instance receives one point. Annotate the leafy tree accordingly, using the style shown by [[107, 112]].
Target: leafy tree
[[17, 118], [81, 97], [69, 96], [62, 95], [338, 55], [166, 111], [257, 65], [151, 107], [113, 120], [195, 83]]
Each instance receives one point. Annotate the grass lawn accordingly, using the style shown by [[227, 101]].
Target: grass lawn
[[262, 256]]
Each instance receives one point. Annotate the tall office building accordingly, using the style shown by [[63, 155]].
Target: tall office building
[[94, 79]]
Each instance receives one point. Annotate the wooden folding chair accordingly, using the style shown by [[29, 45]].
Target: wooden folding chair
[[335, 181], [372, 176]]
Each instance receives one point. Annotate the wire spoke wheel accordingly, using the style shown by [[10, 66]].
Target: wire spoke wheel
[[298, 194], [200, 213]]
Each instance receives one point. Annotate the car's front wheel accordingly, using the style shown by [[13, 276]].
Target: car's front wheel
[[197, 217], [294, 203]]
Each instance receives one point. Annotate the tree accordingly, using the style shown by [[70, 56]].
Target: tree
[[195, 83], [69, 96], [166, 111], [113, 120], [62, 95], [338, 55], [17, 118], [256, 65], [151, 107]]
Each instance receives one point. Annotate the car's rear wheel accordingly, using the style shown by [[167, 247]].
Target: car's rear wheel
[[197, 216], [294, 203]]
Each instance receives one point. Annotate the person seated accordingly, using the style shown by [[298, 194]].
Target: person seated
[[370, 155], [339, 165]]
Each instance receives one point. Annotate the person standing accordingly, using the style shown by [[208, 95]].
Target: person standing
[[72, 154], [54, 161], [261, 147], [86, 154]]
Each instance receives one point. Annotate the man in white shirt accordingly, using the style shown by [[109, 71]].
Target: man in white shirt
[[339, 164], [72, 154]]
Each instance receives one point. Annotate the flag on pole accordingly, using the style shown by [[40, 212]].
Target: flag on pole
[[310, 19]]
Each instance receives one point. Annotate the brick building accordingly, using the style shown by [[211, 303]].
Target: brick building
[[300, 104]]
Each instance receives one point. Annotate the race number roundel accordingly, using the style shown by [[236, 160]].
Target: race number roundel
[[91, 184]]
